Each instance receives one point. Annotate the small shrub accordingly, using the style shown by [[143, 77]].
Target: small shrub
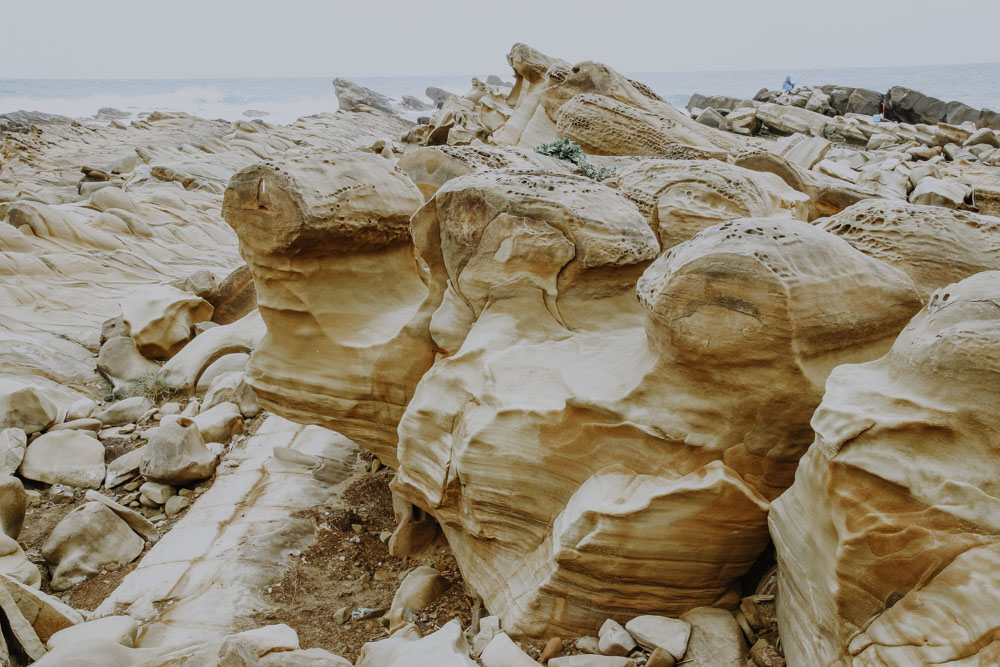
[[564, 149], [151, 386]]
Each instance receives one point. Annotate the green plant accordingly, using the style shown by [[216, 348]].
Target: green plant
[[564, 149]]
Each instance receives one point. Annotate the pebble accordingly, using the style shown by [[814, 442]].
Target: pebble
[[552, 648], [176, 504], [60, 494]]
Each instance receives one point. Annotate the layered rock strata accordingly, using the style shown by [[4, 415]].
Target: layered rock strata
[[888, 540]]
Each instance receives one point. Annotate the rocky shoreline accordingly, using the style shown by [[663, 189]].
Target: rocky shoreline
[[559, 374]]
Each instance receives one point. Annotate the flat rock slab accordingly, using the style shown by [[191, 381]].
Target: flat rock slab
[[235, 539]]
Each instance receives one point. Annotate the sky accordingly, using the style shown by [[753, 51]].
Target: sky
[[302, 38]]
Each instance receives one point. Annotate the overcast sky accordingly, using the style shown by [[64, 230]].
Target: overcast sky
[[281, 38]]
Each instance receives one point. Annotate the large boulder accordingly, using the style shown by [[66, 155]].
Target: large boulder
[[682, 197], [14, 563], [933, 246], [13, 504], [887, 542], [445, 648], [351, 95], [603, 125], [67, 457], [25, 407], [176, 454], [717, 371], [121, 362], [161, 319], [342, 220], [87, 538]]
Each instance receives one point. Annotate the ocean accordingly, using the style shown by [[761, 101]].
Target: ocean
[[284, 100]]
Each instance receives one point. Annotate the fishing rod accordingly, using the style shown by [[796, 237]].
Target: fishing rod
[[820, 67]]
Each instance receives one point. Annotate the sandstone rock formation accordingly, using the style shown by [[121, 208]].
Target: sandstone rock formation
[[887, 540], [161, 319], [534, 271], [312, 230], [682, 197], [933, 246]]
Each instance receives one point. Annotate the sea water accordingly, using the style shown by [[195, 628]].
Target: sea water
[[284, 100]]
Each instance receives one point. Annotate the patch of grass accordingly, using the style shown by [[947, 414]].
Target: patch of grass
[[151, 386], [566, 150]]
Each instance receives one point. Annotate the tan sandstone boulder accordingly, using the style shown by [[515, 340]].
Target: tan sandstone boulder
[[65, 457], [933, 246], [549, 363], [176, 454], [161, 319], [682, 197], [87, 538], [887, 542], [332, 223], [25, 407]]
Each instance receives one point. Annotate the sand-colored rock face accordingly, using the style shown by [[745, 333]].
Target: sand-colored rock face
[[590, 103], [328, 241], [682, 197], [934, 246], [430, 168], [570, 418], [887, 541], [571, 411]]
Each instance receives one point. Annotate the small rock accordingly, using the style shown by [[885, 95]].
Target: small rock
[[92, 425], [232, 388], [156, 493], [660, 658], [172, 408], [614, 640], [123, 412], [219, 423], [588, 644], [422, 587], [653, 632], [503, 652], [591, 661], [488, 628], [552, 648], [175, 504], [716, 639], [60, 494], [123, 468]]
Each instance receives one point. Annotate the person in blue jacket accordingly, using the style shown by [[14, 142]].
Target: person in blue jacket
[[788, 86]]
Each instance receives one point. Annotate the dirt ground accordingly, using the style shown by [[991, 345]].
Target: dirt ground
[[348, 568]]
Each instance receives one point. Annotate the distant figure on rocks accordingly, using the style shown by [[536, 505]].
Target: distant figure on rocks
[[788, 86]]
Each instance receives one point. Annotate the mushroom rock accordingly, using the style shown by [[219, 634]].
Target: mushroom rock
[[935, 247], [888, 542], [528, 124], [682, 197], [678, 414], [345, 303], [430, 168]]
